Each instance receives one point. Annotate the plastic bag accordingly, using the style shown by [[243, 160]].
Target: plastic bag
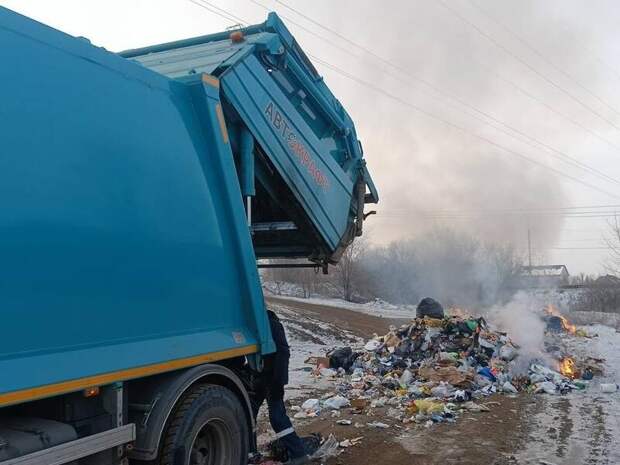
[[608, 388], [443, 390], [328, 449], [406, 378], [508, 353], [311, 404], [509, 387], [428, 406], [372, 345], [546, 386], [336, 402]]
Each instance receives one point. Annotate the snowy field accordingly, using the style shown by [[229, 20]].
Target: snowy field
[[581, 427]]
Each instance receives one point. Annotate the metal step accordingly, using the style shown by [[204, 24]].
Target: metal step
[[78, 449]]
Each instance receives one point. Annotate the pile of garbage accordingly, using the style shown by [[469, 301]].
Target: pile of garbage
[[429, 371]]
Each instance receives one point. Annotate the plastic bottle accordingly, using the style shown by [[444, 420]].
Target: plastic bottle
[[609, 387]]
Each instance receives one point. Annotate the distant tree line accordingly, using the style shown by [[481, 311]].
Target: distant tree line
[[453, 267]]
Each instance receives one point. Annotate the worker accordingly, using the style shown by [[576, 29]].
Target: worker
[[269, 385]]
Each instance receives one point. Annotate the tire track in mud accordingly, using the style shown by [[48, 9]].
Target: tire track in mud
[[599, 436], [571, 430]]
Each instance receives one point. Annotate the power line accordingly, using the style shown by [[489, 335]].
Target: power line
[[524, 62], [438, 118], [235, 17], [460, 128], [466, 215], [525, 210], [218, 11], [576, 248], [541, 56], [483, 65], [559, 153], [487, 67]]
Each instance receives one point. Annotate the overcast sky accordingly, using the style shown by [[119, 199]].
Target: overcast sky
[[485, 115]]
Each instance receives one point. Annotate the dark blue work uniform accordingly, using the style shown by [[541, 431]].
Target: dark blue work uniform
[[269, 385]]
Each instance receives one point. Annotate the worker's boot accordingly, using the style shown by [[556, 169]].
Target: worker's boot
[[312, 443], [304, 459]]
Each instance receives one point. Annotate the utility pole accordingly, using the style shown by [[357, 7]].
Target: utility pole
[[529, 249]]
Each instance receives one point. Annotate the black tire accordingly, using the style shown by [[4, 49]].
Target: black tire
[[207, 427]]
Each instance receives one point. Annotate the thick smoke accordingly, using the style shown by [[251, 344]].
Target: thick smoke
[[521, 319], [422, 166], [449, 265]]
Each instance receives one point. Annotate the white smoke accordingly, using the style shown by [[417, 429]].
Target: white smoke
[[522, 319]]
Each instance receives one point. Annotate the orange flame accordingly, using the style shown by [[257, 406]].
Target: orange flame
[[566, 325], [567, 367]]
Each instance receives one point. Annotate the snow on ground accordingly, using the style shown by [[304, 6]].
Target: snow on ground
[[307, 337], [582, 427], [377, 307]]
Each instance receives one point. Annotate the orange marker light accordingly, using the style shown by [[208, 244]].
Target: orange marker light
[[236, 37], [91, 391]]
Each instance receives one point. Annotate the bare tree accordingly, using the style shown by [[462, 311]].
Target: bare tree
[[349, 271], [613, 242]]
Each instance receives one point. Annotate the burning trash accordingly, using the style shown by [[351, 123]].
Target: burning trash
[[435, 368], [568, 368], [556, 322]]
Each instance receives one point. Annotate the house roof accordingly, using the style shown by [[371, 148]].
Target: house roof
[[544, 270]]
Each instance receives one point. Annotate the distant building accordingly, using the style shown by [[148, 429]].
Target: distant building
[[543, 276], [607, 281]]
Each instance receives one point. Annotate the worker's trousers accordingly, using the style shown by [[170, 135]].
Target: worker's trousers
[[280, 422]]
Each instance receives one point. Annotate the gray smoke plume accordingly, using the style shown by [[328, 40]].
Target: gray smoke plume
[[422, 166], [521, 319]]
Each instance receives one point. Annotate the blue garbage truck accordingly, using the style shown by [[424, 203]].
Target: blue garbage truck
[[139, 191]]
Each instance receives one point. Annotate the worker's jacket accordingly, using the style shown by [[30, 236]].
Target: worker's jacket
[[276, 365]]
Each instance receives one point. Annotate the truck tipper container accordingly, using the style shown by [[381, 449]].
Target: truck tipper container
[[138, 192]]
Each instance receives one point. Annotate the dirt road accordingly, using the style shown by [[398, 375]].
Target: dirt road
[[519, 430]]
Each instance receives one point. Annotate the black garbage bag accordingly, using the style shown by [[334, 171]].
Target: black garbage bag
[[278, 452], [429, 307], [554, 324], [343, 357]]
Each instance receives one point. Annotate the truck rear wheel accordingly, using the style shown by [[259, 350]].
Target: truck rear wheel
[[208, 427]]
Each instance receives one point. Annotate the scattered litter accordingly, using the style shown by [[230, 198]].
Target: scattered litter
[[328, 372], [473, 407], [437, 367], [336, 402], [359, 404], [427, 406], [509, 387], [609, 388], [378, 424], [372, 345], [350, 442], [329, 448], [311, 404]]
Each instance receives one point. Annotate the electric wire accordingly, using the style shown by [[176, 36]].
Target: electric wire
[[534, 209], [542, 56], [506, 50], [461, 128], [438, 118], [219, 11], [500, 77], [559, 154]]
